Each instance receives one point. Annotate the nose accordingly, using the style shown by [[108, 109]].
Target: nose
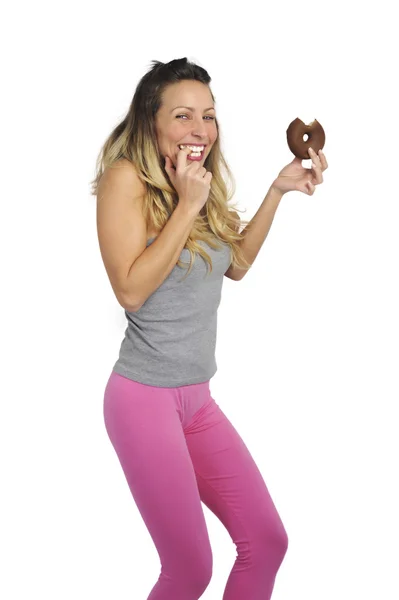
[[199, 127]]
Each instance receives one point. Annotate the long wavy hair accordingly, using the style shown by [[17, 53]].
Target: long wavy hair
[[135, 139]]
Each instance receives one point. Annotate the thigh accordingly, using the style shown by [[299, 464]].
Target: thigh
[[145, 429], [230, 483]]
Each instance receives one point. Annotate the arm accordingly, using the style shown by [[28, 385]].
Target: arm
[[256, 231], [233, 272], [153, 266]]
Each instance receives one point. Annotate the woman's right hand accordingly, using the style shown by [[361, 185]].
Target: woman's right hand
[[191, 181]]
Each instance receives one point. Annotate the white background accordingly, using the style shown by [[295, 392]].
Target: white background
[[307, 346]]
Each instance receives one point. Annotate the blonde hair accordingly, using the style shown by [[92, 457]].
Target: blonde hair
[[134, 139]]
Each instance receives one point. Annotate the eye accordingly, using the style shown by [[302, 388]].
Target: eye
[[209, 117]]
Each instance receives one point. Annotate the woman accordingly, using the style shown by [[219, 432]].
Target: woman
[[159, 203]]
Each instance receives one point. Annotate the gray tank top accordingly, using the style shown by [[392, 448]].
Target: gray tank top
[[170, 341]]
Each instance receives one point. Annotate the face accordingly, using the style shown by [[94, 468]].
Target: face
[[176, 125]]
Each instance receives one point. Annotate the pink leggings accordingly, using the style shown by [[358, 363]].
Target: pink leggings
[[178, 449]]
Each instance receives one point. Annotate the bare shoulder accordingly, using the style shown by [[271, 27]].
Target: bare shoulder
[[122, 231], [123, 171]]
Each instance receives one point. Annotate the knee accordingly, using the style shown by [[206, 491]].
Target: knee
[[273, 541], [204, 573], [282, 540], [199, 577]]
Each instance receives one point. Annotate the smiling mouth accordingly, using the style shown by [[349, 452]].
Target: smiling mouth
[[195, 151]]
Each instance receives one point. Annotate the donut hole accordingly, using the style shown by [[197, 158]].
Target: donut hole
[[305, 137]]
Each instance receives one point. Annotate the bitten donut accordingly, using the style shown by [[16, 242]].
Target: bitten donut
[[297, 145]]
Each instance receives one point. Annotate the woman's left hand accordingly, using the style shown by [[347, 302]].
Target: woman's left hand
[[295, 177]]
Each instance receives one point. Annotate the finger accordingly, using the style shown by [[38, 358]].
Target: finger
[[182, 157], [319, 158], [316, 166], [169, 166], [323, 160], [317, 173], [315, 158], [310, 188]]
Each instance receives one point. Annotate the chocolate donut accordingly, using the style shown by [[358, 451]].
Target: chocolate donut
[[297, 145]]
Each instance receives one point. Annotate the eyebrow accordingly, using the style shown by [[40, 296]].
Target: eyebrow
[[191, 108]]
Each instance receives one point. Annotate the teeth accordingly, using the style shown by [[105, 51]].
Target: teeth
[[193, 148]]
